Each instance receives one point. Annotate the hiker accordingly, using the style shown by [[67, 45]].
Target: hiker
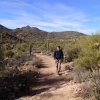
[[58, 56], [30, 49]]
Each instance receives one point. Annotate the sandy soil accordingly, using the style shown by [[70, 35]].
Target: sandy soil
[[51, 86]]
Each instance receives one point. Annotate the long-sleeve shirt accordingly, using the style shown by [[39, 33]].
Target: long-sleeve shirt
[[58, 54]]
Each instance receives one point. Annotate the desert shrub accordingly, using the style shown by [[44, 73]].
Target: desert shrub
[[92, 91], [89, 54], [87, 62], [51, 46], [95, 84], [71, 51], [89, 59], [20, 50], [72, 54], [39, 45], [17, 85], [21, 47], [9, 54], [36, 62], [80, 75]]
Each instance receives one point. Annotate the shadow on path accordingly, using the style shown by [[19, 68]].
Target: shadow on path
[[29, 84]]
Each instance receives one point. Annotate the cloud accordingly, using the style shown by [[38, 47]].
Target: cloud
[[52, 17]]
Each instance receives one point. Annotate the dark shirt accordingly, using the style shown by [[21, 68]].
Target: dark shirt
[[58, 54]]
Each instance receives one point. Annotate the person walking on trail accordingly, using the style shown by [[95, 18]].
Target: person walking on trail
[[30, 49], [58, 56]]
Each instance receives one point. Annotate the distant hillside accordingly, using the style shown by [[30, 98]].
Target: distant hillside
[[3, 28], [65, 35], [30, 33], [33, 33], [37, 34], [6, 36]]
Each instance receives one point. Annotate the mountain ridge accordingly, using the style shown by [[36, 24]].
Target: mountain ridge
[[34, 33]]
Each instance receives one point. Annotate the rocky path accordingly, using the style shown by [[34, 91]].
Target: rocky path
[[51, 86]]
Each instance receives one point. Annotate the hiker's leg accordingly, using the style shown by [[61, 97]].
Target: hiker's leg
[[60, 61], [57, 64]]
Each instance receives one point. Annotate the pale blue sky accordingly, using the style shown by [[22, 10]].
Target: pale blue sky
[[52, 15]]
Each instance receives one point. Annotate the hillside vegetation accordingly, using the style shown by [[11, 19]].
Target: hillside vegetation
[[82, 50], [86, 56]]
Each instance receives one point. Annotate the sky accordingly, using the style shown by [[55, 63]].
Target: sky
[[52, 15]]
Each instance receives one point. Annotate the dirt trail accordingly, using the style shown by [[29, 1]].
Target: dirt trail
[[51, 86]]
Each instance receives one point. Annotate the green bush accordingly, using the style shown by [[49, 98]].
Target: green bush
[[88, 62], [21, 47], [89, 53], [71, 50], [72, 54], [36, 62], [80, 75], [89, 59], [9, 54]]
